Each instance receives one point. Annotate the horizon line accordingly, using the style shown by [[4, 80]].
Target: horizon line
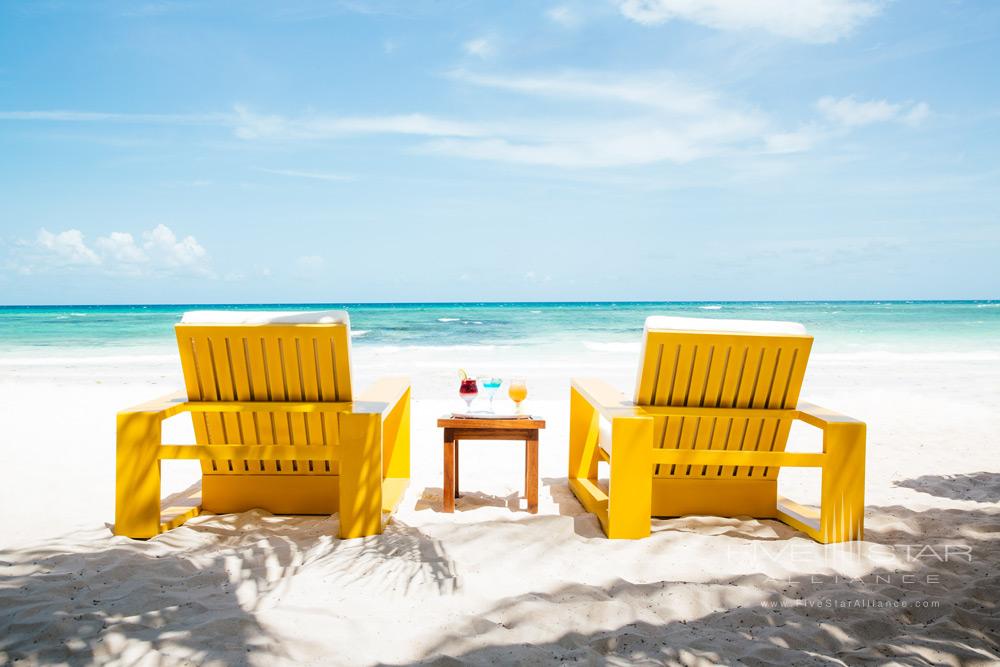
[[491, 303]]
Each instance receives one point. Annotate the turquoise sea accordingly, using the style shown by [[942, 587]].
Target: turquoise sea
[[965, 327]]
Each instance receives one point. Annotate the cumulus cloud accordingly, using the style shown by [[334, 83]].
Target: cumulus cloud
[[163, 244], [160, 252], [121, 247], [850, 112], [818, 21], [67, 248]]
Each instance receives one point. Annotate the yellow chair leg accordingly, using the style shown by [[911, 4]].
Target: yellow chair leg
[[396, 440], [137, 481], [582, 438], [842, 508], [631, 486], [360, 475]]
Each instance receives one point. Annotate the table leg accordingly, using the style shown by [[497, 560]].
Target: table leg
[[448, 495], [531, 473], [456, 469]]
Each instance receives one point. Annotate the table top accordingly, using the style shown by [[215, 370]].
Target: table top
[[472, 423]]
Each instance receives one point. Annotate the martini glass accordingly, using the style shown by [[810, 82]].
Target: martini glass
[[490, 385]]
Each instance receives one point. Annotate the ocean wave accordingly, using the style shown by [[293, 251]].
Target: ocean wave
[[449, 319], [395, 349], [710, 307], [358, 333], [611, 347], [96, 360], [880, 356], [988, 305]]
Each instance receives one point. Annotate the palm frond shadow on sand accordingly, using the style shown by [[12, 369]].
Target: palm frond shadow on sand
[[160, 596], [219, 577], [981, 487], [801, 620]]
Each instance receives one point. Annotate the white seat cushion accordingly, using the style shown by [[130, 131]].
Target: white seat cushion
[[665, 323], [266, 317]]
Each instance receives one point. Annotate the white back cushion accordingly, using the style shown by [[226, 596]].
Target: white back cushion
[[665, 323], [706, 324], [266, 317]]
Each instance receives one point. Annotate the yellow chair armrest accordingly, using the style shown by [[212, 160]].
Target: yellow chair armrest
[[383, 396], [167, 406], [604, 398], [821, 417]]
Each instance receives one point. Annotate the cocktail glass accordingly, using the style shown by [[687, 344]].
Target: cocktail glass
[[517, 389], [468, 391], [490, 386]]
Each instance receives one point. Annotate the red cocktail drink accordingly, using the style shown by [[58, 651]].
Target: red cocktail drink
[[468, 391]]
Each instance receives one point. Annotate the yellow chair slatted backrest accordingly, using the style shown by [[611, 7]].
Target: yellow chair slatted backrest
[[266, 357], [721, 369]]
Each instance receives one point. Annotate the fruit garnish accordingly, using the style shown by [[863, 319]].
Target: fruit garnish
[[462, 374]]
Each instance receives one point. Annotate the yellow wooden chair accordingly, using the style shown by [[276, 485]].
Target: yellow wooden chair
[[706, 432], [276, 423]]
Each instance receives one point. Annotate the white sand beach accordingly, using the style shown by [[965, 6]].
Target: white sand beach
[[488, 585]]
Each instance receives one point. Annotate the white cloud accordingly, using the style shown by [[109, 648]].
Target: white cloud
[[481, 47], [121, 247], [67, 116], [628, 143], [564, 16], [666, 119], [162, 244], [118, 253], [251, 125], [594, 120], [658, 90], [818, 21], [67, 248], [917, 114], [796, 141], [850, 112]]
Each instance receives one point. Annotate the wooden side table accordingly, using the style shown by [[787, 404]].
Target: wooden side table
[[457, 429]]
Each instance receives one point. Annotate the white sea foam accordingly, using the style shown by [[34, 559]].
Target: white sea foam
[[882, 356], [611, 347], [88, 360], [358, 333], [448, 319], [710, 307], [446, 349]]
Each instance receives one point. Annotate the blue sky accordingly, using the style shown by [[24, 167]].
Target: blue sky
[[424, 151]]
